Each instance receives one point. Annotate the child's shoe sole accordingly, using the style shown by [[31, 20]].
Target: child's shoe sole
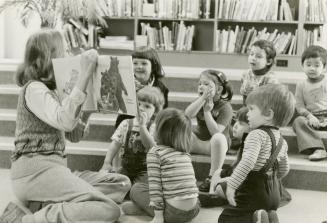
[[260, 216], [273, 217]]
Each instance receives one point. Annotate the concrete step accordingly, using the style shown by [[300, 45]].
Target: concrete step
[[101, 125], [9, 98], [185, 79], [177, 78], [90, 155], [102, 128]]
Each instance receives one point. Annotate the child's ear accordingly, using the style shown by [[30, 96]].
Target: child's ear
[[270, 61], [269, 115]]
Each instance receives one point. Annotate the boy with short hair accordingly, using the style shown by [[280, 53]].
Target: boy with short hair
[[311, 104], [253, 189]]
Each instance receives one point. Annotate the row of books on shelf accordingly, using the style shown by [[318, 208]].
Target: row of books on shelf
[[156, 8], [254, 10], [317, 36], [179, 37], [78, 36], [316, 10], [239, 40]]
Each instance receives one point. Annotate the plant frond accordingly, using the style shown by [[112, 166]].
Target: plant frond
[[93, 13]]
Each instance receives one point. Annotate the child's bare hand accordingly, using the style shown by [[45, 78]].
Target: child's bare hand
[[313, 121], [88, 62], [208, 105], [142, 118], [215, 179], [107, 169], [230, 194]]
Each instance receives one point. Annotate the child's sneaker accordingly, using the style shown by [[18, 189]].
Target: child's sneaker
[[273, 217], [205, 186], [13, 213], [260, 216], [318, 155]]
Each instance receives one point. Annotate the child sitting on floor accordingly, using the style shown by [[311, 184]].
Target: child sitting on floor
[[253, 189], [135, 136], [171, 195]]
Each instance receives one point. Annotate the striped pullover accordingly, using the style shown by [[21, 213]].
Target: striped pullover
[[170, 175], [257, 149]]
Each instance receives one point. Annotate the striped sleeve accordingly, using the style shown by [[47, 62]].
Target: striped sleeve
[[283, 162], [154, 179], [250, 155]]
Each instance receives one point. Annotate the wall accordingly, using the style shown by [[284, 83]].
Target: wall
[[13, 35]]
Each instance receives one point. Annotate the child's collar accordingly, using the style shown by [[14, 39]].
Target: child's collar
[[268, 126], [261, 72], [316, 80]]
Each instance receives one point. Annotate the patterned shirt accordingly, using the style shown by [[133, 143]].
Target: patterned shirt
[[257, 150], [170, 175], [311, 97], [222, 113], [250, 81]]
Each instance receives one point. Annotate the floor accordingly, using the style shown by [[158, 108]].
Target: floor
[[306, 206]]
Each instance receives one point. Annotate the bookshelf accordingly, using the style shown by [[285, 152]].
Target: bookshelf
[[205, 40]]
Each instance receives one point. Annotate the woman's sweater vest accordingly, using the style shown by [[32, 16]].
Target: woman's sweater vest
[[32, 135]]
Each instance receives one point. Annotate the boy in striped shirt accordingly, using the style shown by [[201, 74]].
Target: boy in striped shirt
[[253, 189]]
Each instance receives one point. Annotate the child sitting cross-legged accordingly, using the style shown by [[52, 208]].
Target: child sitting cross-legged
[[134, 137], [253, 190], [171, 195], [311, 104]]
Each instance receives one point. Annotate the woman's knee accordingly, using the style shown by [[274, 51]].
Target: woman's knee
[[127, 184]]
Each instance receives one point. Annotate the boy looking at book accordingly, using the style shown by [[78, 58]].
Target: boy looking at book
[[261, 59], [311, 104]]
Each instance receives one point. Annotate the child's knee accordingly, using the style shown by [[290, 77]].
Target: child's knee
[[112, 210], [219, 139]]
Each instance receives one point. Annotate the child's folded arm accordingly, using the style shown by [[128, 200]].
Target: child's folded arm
[[154, 179], [300, 103], [283, 163], [250, 155]]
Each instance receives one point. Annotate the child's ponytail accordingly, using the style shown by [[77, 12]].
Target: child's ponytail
[[227, 92]]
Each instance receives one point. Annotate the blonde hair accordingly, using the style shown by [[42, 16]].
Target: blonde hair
[[173, 129], [41, 48], [152, 95], [276, 97]]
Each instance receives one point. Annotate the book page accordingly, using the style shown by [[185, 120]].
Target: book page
[[67, 71], [114, 85]]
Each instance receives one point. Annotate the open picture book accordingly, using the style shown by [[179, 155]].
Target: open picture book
[[111, 88]]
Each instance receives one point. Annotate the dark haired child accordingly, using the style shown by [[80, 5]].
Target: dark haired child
[[171, 195], [39, 171], [134, 137], [261, 58], [148, 71], [253, 189], [311, 104], [213, 112]]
